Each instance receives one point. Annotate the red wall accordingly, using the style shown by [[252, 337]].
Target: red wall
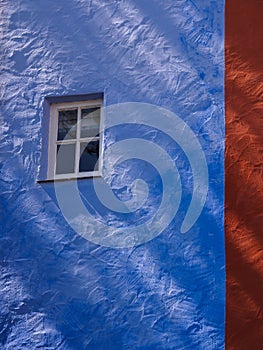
[[244, 174]]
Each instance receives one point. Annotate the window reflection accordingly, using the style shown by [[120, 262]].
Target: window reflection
[[89, 155], [65, 158], [67, 124], [90, 122]]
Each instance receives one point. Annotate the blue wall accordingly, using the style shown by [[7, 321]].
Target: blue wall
[[58, 290]]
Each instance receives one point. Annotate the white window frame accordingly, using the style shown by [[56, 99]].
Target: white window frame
[[53, 142]]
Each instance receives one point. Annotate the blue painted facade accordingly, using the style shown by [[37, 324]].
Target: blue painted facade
[[59, 290]]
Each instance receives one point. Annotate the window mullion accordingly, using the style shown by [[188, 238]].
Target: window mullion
[[77, 155], [66, 142], [89, 139], [55, 135]]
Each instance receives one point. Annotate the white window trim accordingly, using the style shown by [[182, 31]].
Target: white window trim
[[53, 130]]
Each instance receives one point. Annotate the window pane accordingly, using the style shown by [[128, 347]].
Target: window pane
[[90, 122], [89, 155], [67, 124], [65, 158]]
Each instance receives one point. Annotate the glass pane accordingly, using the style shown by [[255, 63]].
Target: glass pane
[[67, 124], [65, 158], [89, 155], [90, 122]]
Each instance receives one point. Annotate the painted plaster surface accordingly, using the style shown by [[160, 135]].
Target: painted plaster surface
[[244, 175], [59, 290]]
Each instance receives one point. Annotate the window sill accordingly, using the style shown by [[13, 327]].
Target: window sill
[[85, 177]]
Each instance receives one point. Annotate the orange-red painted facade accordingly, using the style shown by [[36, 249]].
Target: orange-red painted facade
[[244, 174]]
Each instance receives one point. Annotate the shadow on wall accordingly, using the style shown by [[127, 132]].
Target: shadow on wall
[[244, 200], [97, 297]]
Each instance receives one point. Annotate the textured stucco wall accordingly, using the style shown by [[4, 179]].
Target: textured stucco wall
[[58, 290], [244, 174]]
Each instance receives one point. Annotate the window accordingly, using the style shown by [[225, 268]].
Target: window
[[74, 149]]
